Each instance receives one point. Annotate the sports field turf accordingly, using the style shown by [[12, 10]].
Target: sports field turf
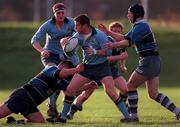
[[99, 111]]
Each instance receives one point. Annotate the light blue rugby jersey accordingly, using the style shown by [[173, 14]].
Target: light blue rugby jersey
[[96, 41], [53, 36], [139, 30]]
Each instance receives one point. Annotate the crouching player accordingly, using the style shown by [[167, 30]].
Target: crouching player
[[25, 99]]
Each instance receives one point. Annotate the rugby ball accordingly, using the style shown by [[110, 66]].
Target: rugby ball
[[71, 44]]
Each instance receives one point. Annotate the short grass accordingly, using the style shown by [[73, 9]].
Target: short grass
[[99, 111]]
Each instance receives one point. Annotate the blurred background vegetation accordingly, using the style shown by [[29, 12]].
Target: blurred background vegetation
[[20, 62]]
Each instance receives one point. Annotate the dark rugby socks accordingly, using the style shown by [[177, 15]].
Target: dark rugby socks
[[165, 101], [133, 103]]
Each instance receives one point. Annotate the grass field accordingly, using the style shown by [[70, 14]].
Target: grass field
[[99, 111], [20, 62]]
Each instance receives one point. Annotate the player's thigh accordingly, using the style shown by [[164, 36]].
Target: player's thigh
[[76, 83], [152, 87], [83, 97], [36, 117], [135, 81], [108, 82], [109, 87], [4, 111], [121, 84]]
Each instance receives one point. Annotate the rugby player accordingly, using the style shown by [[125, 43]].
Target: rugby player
[[54, 29], [97, 66], [118, 55], [25, 99], [141, 36]]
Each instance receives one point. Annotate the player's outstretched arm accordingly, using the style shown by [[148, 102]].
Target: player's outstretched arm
[[119, 44], [116, 36], [71, 71], [121, 57]]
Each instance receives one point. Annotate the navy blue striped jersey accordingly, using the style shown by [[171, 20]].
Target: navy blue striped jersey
[[142, 37], [45, 83]]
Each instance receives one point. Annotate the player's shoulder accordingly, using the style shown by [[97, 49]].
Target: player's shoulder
[[100, 35], [99, 32], [47, 24], [69, 20], [141, 23], [48, 68]]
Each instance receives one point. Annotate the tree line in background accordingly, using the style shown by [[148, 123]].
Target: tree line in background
[[38, 10]]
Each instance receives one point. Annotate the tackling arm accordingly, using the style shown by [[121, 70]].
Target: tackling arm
[[121, 57], [65, 72], [116, 36]]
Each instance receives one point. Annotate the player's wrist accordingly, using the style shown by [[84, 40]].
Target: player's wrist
[[77, 70], [107, 32], [94, 51]]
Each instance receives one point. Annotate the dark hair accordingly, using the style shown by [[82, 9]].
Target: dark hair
[[67, 62], [137, 10], [58, 7], [82, 19]]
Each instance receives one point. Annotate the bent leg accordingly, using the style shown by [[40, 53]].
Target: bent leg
[[152, 86], [109, 87], [91, 85], [78, 102], [83, 97], [52, 108], [4, 111], [35, 117], [121, 85], [77, 82], [134, 81]]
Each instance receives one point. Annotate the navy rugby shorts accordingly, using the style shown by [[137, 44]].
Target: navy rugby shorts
[[21, 102], [149, 66], [97, 72]]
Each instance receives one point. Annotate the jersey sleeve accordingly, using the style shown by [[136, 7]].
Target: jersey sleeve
[[137, 33], [103, 39], [41, 32], [51, 72]]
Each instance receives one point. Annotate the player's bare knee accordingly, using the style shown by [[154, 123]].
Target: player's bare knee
[[41, 121], [112, 94], [130, 86], [152, 95], [70, 92], [124, 91], [36, 118]]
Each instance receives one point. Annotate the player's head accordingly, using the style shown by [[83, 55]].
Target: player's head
[[65, 64], [116, 27], [137, 11], [59, 11], [81, 23]]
